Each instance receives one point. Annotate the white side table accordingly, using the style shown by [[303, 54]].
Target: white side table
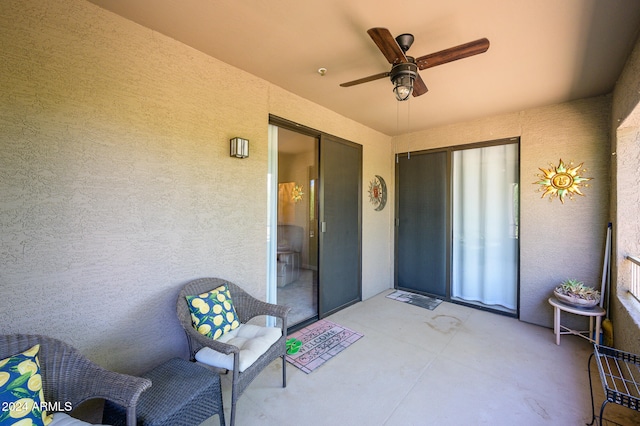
[[596, 312]]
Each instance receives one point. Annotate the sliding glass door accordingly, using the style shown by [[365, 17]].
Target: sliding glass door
[[457, 224], [315, 222], [485, 227]]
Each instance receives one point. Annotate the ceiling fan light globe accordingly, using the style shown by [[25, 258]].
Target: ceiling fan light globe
[[403, 92], [402, 76]]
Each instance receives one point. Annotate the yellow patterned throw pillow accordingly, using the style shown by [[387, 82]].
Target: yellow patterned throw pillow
[[21, 393], [212, 313]]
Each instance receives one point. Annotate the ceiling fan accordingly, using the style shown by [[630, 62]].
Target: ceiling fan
[[404, 71]]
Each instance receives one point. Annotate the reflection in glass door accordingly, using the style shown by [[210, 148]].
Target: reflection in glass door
[[297, 228]]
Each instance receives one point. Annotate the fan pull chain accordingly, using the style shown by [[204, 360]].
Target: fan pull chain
[[395, 142], [408, 130]]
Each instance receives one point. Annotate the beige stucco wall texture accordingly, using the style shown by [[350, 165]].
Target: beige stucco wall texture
[[116, 185], [557, 241]]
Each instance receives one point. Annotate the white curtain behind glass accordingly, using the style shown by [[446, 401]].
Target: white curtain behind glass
[[485, 212]]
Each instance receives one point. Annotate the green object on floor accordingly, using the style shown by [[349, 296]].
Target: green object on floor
[[293, 346]]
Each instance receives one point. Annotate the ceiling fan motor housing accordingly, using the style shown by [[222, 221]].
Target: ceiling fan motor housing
[[405, 69]]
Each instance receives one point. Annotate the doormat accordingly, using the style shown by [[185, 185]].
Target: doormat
[[415, 299], [321, 341]]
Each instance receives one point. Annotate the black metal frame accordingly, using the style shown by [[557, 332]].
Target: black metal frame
[[620, 375]]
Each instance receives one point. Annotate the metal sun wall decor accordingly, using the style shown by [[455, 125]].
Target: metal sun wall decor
[[296, 193], [561, 181], [378, 192]]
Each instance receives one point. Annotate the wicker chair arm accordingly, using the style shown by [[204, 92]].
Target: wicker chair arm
[[264, 308], [250, 307], [96, 382]]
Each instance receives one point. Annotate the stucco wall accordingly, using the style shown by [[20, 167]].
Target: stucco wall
[[557, 241], [625, 124], [116, 185]]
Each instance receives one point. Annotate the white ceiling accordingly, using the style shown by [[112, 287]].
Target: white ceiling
[[542, 52]]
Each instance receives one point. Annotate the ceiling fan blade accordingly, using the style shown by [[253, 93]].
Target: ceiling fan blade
[[419, 88], [387, 45], [453, 54], [365, 79]]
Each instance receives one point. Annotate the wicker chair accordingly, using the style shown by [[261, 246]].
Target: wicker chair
[[70, 377], [247, 307]]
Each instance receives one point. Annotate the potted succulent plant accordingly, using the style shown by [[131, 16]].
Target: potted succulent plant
[[576, 293]]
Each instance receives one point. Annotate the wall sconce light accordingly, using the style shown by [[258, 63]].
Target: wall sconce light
[[239, 148]]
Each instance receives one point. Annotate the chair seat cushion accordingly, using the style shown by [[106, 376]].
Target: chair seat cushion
[[252, 340]]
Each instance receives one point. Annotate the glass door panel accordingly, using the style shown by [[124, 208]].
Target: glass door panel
[[485, 227], [297, 242]]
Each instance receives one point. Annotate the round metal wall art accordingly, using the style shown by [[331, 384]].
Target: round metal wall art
[[378, 193], [561, 181]]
